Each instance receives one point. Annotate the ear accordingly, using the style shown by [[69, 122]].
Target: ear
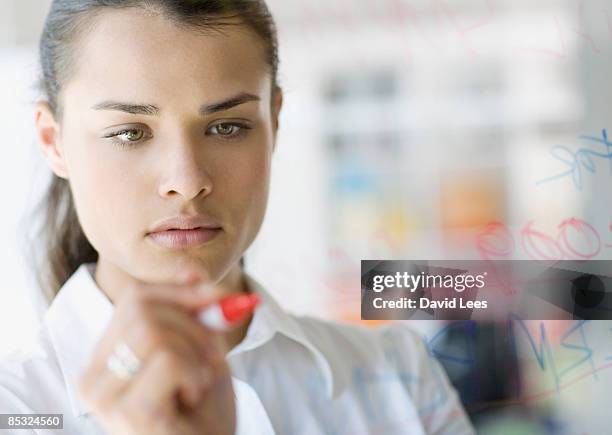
[[277, 105], [48, 132]]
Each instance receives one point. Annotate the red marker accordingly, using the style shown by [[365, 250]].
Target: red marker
[[228, 311]]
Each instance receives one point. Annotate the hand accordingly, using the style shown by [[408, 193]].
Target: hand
[[183, 385]]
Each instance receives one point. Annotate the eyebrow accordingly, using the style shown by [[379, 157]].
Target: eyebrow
[[151, 109]]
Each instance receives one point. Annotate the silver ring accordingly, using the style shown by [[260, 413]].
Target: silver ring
[[123, 362]]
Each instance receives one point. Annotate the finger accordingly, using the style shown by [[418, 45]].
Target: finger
[[174, 329], [108, 387], [154, 395], [173, 319], [193, 295], [206, 341], [137, 306], [164, 319], [145, 322]]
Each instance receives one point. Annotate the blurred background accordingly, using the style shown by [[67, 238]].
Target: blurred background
[[412, 129]]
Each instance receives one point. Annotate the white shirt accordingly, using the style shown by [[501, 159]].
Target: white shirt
[[291, 374]]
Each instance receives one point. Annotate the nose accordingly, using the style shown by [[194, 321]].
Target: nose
[[185, 174]]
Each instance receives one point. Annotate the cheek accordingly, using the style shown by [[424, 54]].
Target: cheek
[[246, 187], [104, 194], [105, 173]]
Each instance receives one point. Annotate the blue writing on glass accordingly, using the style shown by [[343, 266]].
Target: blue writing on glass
[[581, 159]]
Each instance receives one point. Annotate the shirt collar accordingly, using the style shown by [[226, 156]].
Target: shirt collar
[[270, 318], [80, 314]]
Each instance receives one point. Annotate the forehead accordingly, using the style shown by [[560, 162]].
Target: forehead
[[136, 54]]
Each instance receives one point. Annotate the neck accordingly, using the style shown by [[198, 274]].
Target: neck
[[112, 280]]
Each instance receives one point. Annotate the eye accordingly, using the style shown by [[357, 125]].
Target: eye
[[127, 137], [225, 129], [228, 130], [132, 135]]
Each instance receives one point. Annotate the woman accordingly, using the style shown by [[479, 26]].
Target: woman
[[159, 125]]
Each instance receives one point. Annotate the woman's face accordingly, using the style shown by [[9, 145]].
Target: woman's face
[[141, 140]]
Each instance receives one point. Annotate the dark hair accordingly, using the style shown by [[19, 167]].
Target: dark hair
[[65, 244]]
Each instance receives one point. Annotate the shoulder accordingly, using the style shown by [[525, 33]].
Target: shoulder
[[374, 345], [356, 334], [392, 353], [27, 373]]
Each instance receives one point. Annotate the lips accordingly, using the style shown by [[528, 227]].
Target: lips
[[184, 231], [185, 222], [178, 239]]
